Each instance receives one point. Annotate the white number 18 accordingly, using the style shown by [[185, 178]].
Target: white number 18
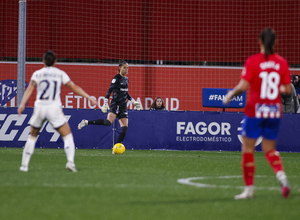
[[269, 85]]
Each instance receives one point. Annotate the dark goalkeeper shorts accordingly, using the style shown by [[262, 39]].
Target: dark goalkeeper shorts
[[119, 110]]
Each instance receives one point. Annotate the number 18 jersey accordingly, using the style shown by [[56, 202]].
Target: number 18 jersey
[[49, 80], [265, 78]]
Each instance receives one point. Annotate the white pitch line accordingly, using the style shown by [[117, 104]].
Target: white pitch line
[[188, 181]]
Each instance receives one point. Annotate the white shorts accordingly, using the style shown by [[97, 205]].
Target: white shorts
[[52, 113]]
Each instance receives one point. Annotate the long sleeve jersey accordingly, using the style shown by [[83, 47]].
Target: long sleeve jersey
[[119, 87]]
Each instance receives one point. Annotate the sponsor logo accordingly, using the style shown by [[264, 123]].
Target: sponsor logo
[[16, 128], [203, 132], [217, 97], [75, 101], [208, 132], [213, 97], [267, 111], [8, 90]]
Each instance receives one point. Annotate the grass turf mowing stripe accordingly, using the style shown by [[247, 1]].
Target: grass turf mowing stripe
[[141, 184]]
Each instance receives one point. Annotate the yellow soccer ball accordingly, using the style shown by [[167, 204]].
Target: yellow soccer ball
[[119, 148]]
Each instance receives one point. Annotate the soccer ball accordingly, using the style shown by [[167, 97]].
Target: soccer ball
[[119, 148]]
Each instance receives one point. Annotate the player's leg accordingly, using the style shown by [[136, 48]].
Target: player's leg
[[124, 126], [272, 156], [251, 131], [36, 122], [56, 117], [110, 118], [29, 148], [106, 122], [123, 120], [82, 124], [274, 160], [248, 168], [69, 146]]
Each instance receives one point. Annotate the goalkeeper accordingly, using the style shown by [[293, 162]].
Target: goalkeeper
[[118, 105]]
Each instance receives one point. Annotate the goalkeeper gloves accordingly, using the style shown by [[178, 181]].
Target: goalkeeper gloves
[[105, 107], [136, 104]]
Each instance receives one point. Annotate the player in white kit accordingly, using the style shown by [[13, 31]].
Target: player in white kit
[[48, 107]]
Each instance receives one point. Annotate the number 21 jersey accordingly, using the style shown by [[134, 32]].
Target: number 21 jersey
[[49, 80]]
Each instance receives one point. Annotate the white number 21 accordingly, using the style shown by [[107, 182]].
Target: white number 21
[[269, 85]]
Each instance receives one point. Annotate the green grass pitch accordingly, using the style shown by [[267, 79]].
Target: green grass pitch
[[142, 184]]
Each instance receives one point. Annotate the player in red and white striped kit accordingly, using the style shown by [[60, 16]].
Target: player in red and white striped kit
[[268, 75]]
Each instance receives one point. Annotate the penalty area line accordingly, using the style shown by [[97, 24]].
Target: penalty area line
[[189, 181]]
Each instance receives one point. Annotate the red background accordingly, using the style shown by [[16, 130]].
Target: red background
[[146, 81], [183, 30], [216, 31]]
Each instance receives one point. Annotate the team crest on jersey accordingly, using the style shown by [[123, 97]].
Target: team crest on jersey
[[8, 90], [267, 111]]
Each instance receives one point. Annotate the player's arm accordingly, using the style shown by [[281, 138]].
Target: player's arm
[[79, 91], [135, 103], [286, 89], [26, 96], [243, 83], [129, 97], [112, 86], [237, 90]]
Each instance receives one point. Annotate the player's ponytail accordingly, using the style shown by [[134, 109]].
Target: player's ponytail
[[268, 38]]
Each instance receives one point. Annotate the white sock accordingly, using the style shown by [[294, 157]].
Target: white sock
[[69, 147], [249, 189], [281, 177], [28, 150]]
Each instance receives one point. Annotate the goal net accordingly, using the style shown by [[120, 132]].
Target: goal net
[[174, 48]]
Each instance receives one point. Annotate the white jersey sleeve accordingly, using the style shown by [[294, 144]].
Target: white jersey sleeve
[[65, 77]]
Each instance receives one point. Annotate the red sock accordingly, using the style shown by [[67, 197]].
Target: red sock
[[273, 157], [248, 168]]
